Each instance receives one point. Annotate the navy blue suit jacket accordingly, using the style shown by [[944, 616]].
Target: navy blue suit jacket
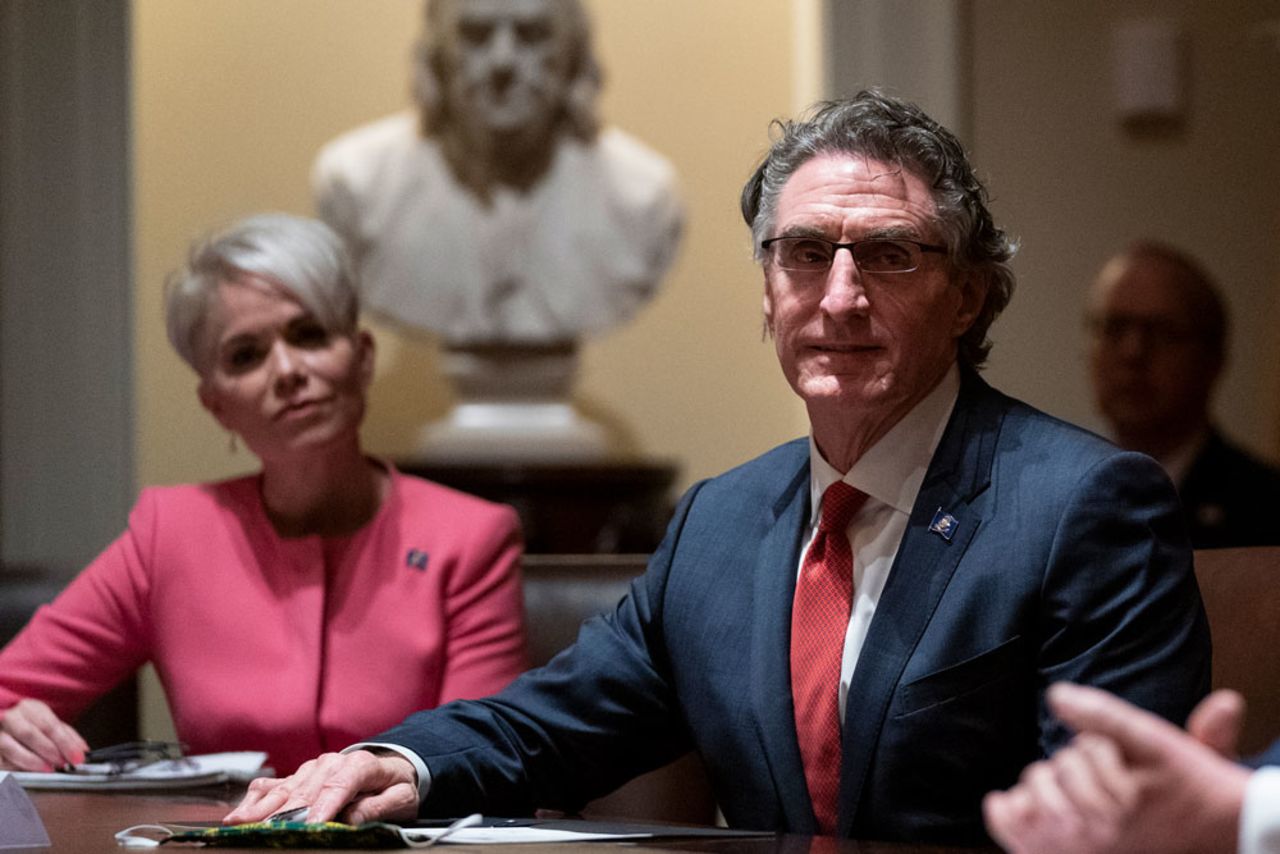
[[1068, 560], [1270, 756], [1230, 498]]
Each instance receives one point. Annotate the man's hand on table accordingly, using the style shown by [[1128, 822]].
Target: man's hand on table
[[354, 787]]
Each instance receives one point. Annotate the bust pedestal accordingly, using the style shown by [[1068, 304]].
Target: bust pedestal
[[515, 438], [603, 507], [513, 406]]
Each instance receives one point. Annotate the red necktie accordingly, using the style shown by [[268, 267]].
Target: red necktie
[[819, 621]]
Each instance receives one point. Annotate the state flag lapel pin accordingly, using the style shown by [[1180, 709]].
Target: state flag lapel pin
[[943, 524], [416, 559]]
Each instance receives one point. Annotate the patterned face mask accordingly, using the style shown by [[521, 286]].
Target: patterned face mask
[[279, 834]]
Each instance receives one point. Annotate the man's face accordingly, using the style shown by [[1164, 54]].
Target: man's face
[[507, 64], [873, 344], [1151, 371]]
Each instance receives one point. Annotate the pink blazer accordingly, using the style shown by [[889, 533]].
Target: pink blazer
[[292, 646]]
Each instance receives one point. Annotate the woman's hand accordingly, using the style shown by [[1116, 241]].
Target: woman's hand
[[33, 738]]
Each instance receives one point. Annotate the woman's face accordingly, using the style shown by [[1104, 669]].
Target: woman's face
[[278, 378]]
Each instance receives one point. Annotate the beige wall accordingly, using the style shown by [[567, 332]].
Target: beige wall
[[232, 99], [1076, 187]]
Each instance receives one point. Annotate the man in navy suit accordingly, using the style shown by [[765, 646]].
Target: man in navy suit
[[1158, 351], [991, 550], [1133, 782]]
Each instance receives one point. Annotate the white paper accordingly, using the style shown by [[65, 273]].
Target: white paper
[[204, 770], [501, 835]]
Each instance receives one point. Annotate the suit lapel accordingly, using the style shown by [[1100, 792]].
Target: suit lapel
[[959, 472], [770, 675]]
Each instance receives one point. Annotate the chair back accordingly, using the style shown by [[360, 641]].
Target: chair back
[[561, 591], [1241, 592]]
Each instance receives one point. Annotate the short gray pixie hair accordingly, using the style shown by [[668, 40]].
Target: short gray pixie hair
[[302, 257], [879, 126]]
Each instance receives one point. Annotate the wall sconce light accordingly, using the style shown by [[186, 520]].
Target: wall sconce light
[[1149, 73]]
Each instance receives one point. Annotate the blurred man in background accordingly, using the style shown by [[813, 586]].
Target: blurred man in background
[[1159, 345]]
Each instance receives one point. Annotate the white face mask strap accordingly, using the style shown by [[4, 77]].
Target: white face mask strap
[[412, 840], [141, 836]]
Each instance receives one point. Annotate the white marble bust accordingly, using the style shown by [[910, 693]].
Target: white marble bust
[[499, 212]]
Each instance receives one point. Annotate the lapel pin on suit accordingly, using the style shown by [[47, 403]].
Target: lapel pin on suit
[[943, 524], [416, 559]]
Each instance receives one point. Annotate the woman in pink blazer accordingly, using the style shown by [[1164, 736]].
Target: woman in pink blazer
[[299, 609]]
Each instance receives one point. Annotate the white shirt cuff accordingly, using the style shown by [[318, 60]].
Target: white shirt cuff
[[420, 767], [1260, 815]]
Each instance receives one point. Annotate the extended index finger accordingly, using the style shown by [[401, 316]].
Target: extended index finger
[[1139, 734]]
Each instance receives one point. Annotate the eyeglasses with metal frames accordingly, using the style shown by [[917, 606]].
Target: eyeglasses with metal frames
[[873, 255], [130, 756]]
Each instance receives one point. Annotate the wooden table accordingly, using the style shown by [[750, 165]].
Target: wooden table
[[84, 823]]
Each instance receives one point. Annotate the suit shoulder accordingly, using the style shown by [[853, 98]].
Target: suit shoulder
[[768, 472], [1028, 445], [1036, 431], [187, 496], [787, 455], [192, 506]]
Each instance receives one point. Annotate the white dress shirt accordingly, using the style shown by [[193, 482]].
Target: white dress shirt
[[1260, 816], [890, 472]]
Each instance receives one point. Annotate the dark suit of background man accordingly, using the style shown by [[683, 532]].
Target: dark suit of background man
[[999, 550], [1159, 328]]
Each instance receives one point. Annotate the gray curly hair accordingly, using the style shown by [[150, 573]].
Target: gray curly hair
[[888, 129]]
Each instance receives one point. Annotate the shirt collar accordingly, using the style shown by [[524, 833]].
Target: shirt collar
[[892, 470]]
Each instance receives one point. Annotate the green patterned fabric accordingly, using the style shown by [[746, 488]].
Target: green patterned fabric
[[295, 834]]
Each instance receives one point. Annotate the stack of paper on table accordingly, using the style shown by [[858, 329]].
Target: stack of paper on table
[[204, 770]]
